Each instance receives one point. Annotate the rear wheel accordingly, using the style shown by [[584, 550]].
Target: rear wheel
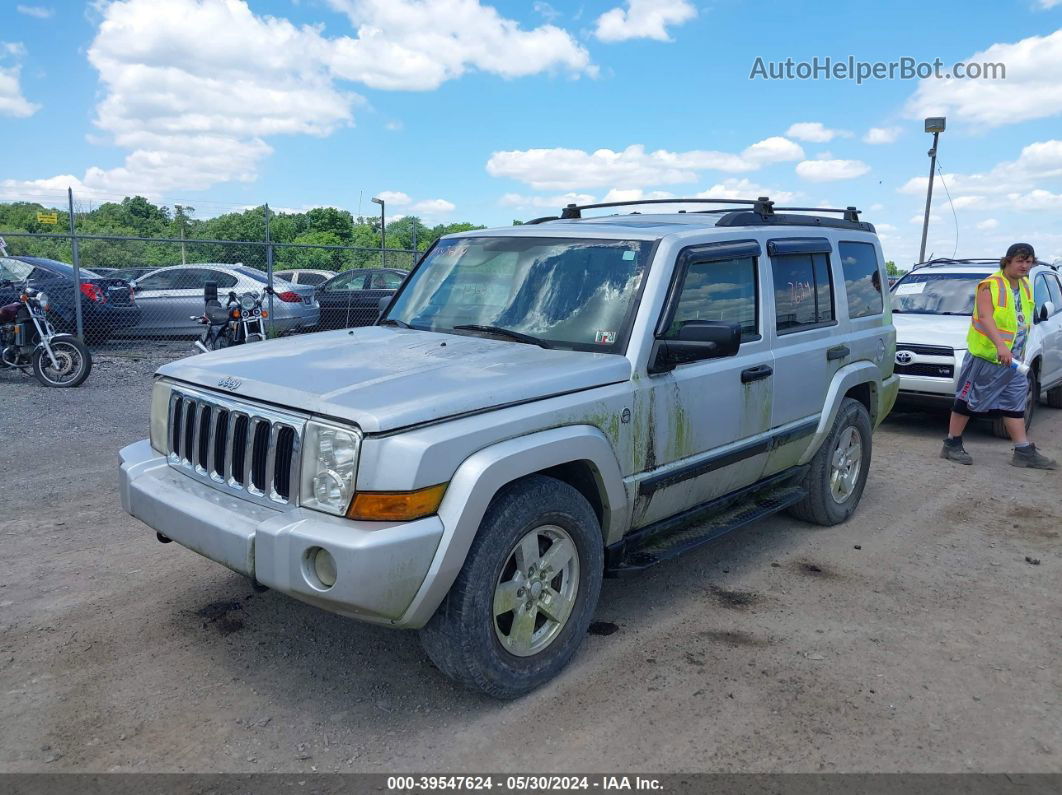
[[522, 603], [839, 469], [72, 364]]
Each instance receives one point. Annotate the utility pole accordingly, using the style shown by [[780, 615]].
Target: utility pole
[[383, 228], [182, 218], [934, 125]]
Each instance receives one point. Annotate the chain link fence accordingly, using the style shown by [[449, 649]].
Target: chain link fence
[[110, 290]]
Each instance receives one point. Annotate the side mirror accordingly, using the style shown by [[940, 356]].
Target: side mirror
[[696, 340], [1046, 311], [382, 305]]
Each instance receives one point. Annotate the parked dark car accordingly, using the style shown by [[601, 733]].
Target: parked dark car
[[107, 304], [125, 273], [352, 298]]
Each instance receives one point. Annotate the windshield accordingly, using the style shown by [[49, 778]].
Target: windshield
[[568, 292], [936, 293]]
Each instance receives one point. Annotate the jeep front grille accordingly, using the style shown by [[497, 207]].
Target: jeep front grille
[[248, 450]]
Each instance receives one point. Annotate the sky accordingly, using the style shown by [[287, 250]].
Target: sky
[[481, 111]]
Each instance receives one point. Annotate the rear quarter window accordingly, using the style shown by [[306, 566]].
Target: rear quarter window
[[862, 279]]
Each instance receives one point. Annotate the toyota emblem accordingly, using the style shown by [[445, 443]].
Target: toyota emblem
[[904, 357]]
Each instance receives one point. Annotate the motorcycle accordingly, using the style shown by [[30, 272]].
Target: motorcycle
[[239, 321], [28, 341]]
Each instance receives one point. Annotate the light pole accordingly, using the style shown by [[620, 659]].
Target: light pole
[[383, 227], [935, 125]]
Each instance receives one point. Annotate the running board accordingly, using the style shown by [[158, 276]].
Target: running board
[[646, 549]]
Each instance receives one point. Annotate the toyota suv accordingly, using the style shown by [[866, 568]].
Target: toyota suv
[[537, 407], [932, 305]]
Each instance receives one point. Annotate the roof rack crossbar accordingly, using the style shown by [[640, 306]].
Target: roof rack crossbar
[[850, 213], [763, 205]]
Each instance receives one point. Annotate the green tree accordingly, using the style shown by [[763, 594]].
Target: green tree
[[892, 270]]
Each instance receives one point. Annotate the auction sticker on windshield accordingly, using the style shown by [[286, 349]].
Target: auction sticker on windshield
[[910, 288], [605, 337]]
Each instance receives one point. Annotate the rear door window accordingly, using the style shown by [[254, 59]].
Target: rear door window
[[862, 279], [803, 291]]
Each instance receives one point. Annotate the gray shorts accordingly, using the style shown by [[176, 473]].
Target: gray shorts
[[988, 388]]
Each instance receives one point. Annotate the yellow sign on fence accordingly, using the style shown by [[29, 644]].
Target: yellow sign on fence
[[47, 218]]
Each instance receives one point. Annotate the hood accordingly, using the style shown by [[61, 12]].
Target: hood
[[384, 378], [949, 330]]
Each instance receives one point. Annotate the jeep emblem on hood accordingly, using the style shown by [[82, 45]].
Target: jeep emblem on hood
[[232, 384]]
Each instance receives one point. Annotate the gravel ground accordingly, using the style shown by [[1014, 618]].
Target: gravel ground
[[916, 637]]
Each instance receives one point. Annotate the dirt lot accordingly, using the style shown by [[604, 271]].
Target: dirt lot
[[916, 637]]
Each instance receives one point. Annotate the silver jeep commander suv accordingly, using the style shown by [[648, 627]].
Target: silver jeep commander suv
[[538, 407]]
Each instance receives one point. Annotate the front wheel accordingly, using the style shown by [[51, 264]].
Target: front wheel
[[523, 601], [839, 469], [72, 365]]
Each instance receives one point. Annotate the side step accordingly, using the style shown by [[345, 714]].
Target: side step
[[668, 541]]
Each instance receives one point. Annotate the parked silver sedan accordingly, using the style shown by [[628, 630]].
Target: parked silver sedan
[[169, 297]]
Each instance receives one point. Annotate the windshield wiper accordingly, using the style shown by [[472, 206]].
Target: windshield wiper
[[504, 332], [391, 321]]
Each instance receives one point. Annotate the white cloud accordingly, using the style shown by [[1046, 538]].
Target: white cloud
[[1032, 88], [192, 89], [1037, 161], [411, 45], [633, 167], [744, 189], [40, 12], [963, 202], [394, 126], [643, 19], [815, 132], [1049, 3], [988, 224], [434, 207], [394, 197], [545, 10], [828, 170], [545, 202], [877, 206], [881, 135], [12, 102], [918, 219], [1038, 199]]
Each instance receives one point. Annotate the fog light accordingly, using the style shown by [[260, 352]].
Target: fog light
[[324, 566]]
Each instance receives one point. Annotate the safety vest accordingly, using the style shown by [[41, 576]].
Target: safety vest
[[1004, 313]]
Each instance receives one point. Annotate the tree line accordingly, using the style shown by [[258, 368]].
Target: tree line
[[135, 216]]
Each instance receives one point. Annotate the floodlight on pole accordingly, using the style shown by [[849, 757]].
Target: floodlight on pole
[[383, 227], [935, 125]]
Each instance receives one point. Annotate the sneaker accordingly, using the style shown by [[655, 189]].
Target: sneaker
[[954, 451], [1030, 457]]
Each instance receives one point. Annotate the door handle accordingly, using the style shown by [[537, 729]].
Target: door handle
[[837, 352], [756, 373]]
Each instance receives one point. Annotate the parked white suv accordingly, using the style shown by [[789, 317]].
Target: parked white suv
[[540, 405], [932, 305]]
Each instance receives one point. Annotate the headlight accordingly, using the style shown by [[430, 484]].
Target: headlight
[[44, 301], [248, 300], [329, 464], [160, 415]]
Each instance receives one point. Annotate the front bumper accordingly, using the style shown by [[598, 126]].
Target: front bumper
[[380, 566]]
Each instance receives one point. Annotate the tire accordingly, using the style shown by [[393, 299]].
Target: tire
[[74, 359], [508, 654], [850, 444], [1054, 397], [999, 430]]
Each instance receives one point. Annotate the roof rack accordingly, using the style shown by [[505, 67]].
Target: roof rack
[[968, 261], [762, 205], [761, 211]]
